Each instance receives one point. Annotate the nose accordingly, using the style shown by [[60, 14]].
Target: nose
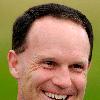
[[62, 78]]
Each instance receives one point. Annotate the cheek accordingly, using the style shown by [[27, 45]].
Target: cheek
[[80, 82], [31, 82], [41, 76], [34, 78]]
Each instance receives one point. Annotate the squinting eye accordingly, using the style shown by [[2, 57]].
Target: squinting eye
[[48, 64], [77, 67]]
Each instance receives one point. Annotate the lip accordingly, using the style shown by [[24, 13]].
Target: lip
[[48, 98], [44, 97]]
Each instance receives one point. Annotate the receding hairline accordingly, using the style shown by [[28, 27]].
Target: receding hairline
[[25, 45], [23, 23]]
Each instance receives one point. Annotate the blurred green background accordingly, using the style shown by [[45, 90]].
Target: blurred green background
[[11, 9]]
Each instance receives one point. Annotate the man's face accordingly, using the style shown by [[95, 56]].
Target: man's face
[[55, 63]]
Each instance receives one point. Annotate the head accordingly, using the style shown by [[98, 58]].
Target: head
[[51, 53]]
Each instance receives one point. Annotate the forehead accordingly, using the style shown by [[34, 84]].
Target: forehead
[[51, 27], [53, 34]]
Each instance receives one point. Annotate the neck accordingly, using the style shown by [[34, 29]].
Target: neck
[[20, 94]]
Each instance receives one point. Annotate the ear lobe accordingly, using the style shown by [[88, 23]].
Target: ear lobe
[[13, 61]]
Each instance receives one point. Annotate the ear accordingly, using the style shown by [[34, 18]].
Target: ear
[[13, 63]]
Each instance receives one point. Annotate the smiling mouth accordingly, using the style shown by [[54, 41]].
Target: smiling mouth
[[56, 96]]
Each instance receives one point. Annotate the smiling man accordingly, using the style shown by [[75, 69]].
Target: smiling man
[[51, 53]]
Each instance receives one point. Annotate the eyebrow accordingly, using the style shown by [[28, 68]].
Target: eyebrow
[[44, 57], [51, 58], [81, 62], [48, 58]]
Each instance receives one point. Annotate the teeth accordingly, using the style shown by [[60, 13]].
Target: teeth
[[56, 96], [53, 96]]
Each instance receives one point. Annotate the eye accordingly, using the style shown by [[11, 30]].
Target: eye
[[48, 64], [77, 67]]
